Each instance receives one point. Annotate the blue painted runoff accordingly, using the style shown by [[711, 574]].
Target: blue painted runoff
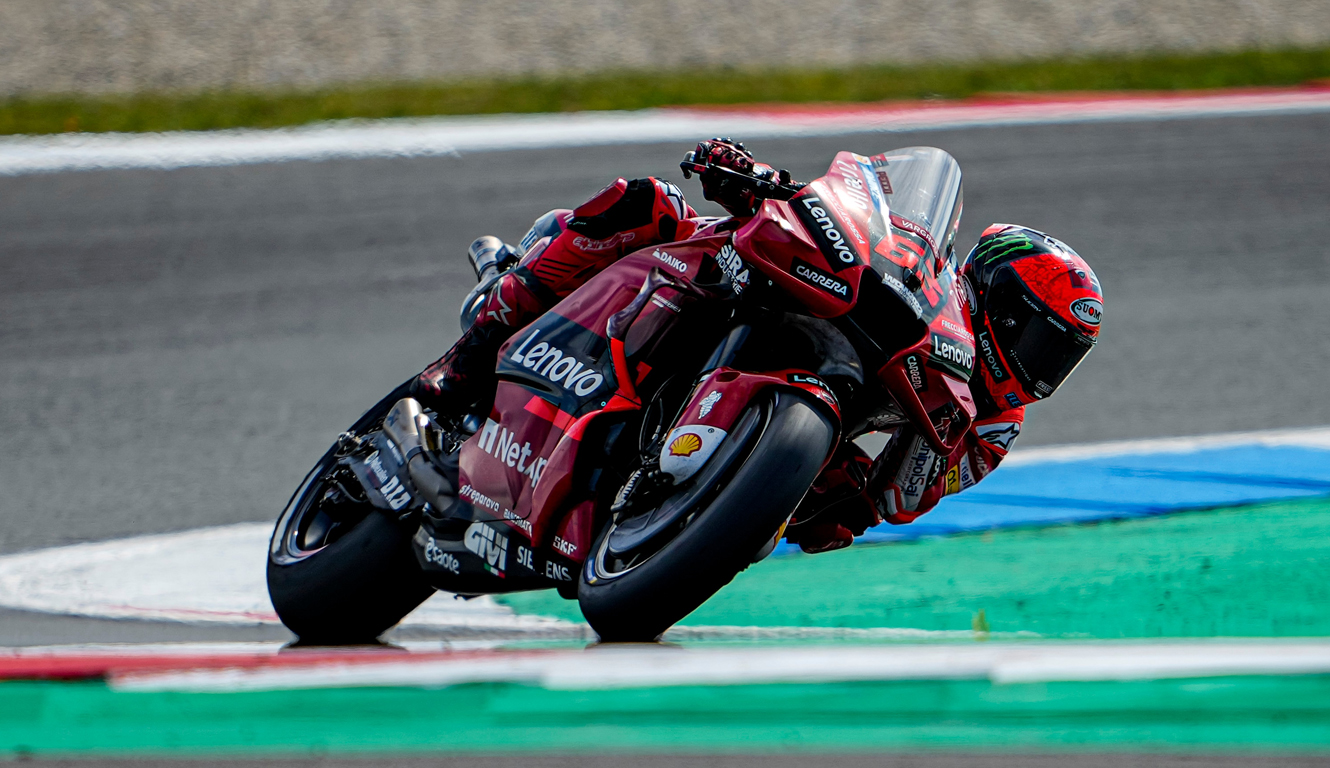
[[1120, 486]]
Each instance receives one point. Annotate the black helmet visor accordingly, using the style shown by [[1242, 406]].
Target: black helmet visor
[[1040, 347]]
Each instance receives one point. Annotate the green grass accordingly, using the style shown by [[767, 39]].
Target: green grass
[[637, 90], [1259, 571]]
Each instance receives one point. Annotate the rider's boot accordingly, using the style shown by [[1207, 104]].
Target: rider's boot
[[464, 377]]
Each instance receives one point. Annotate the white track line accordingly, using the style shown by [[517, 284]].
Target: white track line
[[608, 667], [1317, 438], [449, 136]]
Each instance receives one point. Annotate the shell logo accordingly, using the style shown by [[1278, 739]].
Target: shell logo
[[686, 445]]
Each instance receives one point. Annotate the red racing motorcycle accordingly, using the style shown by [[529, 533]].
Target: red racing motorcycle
[[653, 433]]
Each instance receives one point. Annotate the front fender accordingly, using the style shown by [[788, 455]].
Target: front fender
[[717, 403]]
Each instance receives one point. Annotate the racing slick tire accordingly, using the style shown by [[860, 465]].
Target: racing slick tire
[[719, 541], [350, 589]]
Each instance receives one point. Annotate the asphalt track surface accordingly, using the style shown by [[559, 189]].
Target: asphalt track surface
[[177, 347]]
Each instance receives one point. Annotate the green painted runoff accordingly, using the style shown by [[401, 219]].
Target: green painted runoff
[[1251, 713], [1258, 571]]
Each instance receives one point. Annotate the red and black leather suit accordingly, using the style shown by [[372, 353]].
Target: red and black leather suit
[[852, 494]]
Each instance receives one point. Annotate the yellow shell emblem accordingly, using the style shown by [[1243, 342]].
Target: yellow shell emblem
[[685, 445]]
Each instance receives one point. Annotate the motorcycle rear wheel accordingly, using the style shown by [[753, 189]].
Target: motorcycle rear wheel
[[352, 588], [639, 603]]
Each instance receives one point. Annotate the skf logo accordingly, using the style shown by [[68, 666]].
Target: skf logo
[[686, 444]]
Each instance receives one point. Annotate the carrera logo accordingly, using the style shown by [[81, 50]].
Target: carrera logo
[[953, 352], [729, 262], [1088, 311], [671, 260], [995, 368], [810, 274], [587, 244], [830, 238], [558, 366], [489, 545], [686, 444], [916, 373]]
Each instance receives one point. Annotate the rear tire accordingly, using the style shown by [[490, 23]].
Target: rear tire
[[639, 604], [360, 584], [353, 590]]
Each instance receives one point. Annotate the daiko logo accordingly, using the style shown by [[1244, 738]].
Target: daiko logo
[[671, 260], [559, 367]]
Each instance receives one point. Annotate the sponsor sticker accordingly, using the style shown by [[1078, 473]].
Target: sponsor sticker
[[609, 243], [560, 368], [708, 403], [898, 288], [686, 444], [955, 356], [489, 545], [814, 276], [1002, 433], [733, 267], [670, 260], [916, 472], [827, 233], [915, 370], [445, 560], [501, 444], [1013, 400], [1088, 311], [989, 352]]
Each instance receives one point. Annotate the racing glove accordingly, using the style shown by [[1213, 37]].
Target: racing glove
[[732, 177]]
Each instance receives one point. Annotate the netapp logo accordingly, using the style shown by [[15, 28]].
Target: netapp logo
[[810, 274], [558, 366]]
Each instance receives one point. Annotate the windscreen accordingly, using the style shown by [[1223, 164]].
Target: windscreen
[[923, 185]]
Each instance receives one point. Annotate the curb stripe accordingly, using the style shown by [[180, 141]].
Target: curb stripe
[[354, 139]]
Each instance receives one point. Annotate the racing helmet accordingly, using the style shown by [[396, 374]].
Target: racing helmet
[[1036, 307]]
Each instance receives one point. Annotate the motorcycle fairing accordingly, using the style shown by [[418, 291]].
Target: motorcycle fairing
[[518, 474]]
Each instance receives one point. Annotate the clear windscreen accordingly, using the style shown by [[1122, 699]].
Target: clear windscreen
[[926, 189]]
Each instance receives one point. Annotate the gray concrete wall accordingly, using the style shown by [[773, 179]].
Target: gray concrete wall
[[103, 46]]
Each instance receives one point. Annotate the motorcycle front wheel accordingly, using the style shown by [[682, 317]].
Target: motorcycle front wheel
[[637, 598]]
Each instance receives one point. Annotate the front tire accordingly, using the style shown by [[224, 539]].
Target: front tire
[[640, 603]]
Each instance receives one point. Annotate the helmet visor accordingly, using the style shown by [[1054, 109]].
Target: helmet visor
[[1041, 348]]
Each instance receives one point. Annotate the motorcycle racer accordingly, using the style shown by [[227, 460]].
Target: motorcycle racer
[[1034, 303]]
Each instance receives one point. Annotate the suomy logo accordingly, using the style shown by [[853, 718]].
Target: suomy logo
[[558, 366], [1088, 311]]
